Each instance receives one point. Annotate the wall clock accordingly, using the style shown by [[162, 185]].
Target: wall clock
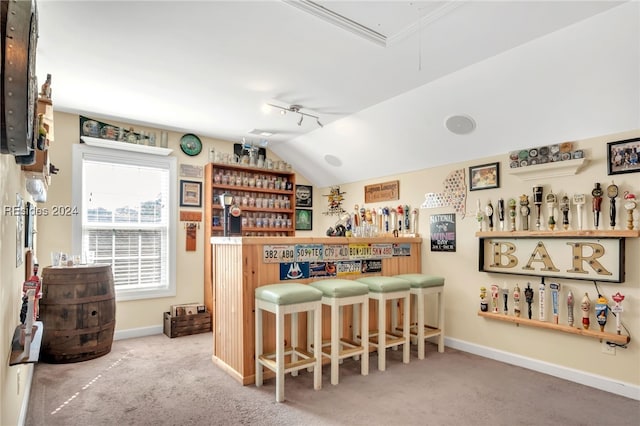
[[190, 144]]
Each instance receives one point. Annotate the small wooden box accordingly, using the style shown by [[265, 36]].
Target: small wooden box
[[185, 325]]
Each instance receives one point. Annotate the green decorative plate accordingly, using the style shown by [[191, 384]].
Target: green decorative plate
[[190, 144]]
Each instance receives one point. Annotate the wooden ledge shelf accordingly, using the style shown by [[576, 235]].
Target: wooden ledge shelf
[[125, 146], [609, 337], [549, 170], [592, 233], [20, 353]]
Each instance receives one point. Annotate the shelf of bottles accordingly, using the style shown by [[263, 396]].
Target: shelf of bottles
[[264, 196]]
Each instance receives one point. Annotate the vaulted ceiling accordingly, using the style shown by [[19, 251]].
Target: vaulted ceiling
[[382, 77]]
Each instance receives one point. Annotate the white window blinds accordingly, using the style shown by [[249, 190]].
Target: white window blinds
[[126, 220]]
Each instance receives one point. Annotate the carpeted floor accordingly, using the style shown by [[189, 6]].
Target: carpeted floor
[[160, 381]]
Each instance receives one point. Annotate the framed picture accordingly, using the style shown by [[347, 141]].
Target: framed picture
[[622, 156], [304, 196], [304, 220], [486, 176], [190, 193]]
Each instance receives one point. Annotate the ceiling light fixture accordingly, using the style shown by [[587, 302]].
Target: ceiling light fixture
[[296, 109]]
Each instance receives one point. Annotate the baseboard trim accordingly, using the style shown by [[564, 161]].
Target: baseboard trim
[[138, 332], [606, 384], [22, 416]]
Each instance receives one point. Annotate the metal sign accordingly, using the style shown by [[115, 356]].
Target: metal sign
[[309, 252], [443, 232], [278, 253], [360, 251], [578, 258], [294, 271], [334, 252]]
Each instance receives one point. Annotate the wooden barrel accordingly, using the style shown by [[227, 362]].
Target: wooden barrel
[[78, 312]]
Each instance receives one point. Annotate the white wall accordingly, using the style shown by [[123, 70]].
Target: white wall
[[14, 381], [463, 326]]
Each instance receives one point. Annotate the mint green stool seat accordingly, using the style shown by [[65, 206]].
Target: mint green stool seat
[[338, 293], [381, 284], [383, 289], [340, 288], [422, 280], [423, 285], [287, 294], [282, 299]]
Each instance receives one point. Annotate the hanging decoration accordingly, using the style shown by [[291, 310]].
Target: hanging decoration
[[335, 198]]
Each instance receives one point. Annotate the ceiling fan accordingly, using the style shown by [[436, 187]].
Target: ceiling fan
[[296, 109]]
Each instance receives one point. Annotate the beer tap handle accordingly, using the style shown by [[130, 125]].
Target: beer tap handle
[[570, 308], [501, 213], [489, 212], [597, 203], [579, 200], [564, 208], [612, 193], [528, 295]]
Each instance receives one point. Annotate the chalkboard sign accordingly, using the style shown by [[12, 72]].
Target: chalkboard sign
[[443, 232]]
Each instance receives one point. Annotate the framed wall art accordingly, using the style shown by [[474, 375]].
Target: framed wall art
[[485, 176], [190, 193], [623, 156], [304, 220], [304, 196]]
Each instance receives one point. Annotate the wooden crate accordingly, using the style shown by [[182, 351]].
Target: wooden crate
[[185, 325]]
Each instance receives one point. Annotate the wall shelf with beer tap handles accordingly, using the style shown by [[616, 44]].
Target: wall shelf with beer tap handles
[[605, 233], [597, 334]]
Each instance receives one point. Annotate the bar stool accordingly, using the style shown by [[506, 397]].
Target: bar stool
[[383, 289], [421, 286], [282, 299], [338, 293]]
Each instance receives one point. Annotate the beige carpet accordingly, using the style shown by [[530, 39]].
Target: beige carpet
[[160, 381]]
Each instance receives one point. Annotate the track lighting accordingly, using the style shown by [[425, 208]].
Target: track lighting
[[296, 109]]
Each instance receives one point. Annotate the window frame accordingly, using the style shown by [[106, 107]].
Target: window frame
[[82, 152]]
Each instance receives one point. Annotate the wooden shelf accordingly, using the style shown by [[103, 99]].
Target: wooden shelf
[[125, 146], [18, 353], [257, 209], [591, 233], [252, 169], [40, 168], [213, 187], [549, 170], [252, 189], [609, 337]]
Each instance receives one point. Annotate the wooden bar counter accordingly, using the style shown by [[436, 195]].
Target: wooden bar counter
[[241, 264]]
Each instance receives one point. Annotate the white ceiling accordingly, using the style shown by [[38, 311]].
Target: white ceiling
[[528, 72]]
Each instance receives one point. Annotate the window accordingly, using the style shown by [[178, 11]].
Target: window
[[127, 204]]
